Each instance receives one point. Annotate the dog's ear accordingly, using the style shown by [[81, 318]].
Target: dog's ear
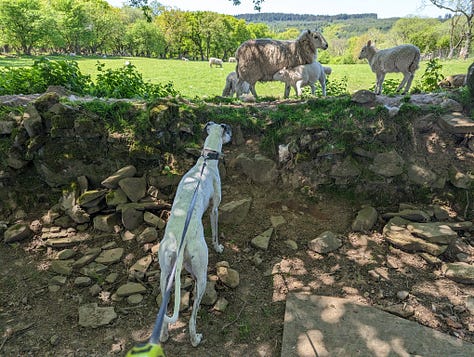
[[227, 133]]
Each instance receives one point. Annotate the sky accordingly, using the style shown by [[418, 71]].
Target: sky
[[383, 8]]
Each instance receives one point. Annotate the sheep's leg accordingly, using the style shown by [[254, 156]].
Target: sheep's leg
[[322, 81], [404, 81], [378, 85], [313, 88], [408, 82], [298, 88], [252, 90], [287, 90]]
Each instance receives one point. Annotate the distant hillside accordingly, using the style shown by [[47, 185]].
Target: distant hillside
[[353, 24]]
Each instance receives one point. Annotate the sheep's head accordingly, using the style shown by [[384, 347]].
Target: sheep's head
[[282, 75], [314, 39], [367, 51]]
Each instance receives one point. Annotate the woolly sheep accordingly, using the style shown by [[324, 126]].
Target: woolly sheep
[[215, 61], [260, 59], [403, 58], [303, 75], [454, 81], [232, 86], [232, 59]]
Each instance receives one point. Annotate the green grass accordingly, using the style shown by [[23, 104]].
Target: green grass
[[197, 79]]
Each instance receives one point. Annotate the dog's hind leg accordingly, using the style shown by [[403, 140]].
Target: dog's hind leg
[[166, 264], [198, 265], [216, 200]]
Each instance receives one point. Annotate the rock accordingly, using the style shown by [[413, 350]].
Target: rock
[[291, 244], [401, 237], [90, 315], [414, 215], [131, 217], [17, 232], [403, 294], [262, 240], [134, 187], [149, 235], [142, 264], [277, 221], [32, 121], [420, 175], [135, 299], [113, 180], [68, 241], [388, 164], [154, 220], [210, 294], [63, 267], [78, 215], [363, 96], [433, 232], [106, 222], [326, 242], [459, 272], [130, 289], [460, 179], [82, 281], [365, 219], [259, 169], [115, 198], [234, 212], [221, 304], [91, 198], [400, 310], [228, 276], [470, 304], [66, 254], [93, 270], [110, 256], [456, 123]]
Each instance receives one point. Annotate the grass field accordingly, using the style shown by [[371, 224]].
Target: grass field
[[196, 78]]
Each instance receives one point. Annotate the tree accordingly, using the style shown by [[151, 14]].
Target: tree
[[22, 23], [466, 9]]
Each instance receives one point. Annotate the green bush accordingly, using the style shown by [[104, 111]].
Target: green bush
[[125, 82]]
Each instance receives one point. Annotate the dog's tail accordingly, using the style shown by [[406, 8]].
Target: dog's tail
[[177, 289]]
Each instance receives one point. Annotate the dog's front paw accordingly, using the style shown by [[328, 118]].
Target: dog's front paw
[[196, 340], [164, 335], [219, 248]]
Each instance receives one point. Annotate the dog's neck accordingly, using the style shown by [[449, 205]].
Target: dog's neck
[[210, 154]]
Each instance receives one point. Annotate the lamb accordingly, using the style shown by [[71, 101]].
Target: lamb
[[232, 86], [260, 59], [303, 75], [232, 59], [215, 61], [403, 58], [454, 81]]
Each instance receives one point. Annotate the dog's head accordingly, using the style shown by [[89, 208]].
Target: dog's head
[[224, 131]]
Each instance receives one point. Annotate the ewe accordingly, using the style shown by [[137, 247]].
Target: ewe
[[260, 59], [232, 86], [215, 61], [303, 75], [403, 58]]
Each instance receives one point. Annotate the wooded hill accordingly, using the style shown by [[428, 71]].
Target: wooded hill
[[353, 24]]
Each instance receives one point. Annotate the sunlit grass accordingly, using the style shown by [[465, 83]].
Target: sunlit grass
[[196, 78]]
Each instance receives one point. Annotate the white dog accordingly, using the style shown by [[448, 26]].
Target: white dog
[[193, 254]]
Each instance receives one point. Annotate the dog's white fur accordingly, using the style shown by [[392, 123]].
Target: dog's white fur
[[194, 253]]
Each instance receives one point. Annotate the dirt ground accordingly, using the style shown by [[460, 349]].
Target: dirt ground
[[35, 321]]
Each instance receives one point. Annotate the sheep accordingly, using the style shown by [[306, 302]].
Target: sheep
[[454, 81], [259, 59], [232, 59], [403, 58], [303, 75], [215, 61], [232, 86]]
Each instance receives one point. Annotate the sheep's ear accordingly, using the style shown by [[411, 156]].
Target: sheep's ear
[[309, 31], [369, 43]]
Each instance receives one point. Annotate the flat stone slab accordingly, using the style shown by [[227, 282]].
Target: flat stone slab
[[456, 123], [323, 326]]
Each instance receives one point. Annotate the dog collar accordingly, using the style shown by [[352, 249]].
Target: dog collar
[[211, 154]]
